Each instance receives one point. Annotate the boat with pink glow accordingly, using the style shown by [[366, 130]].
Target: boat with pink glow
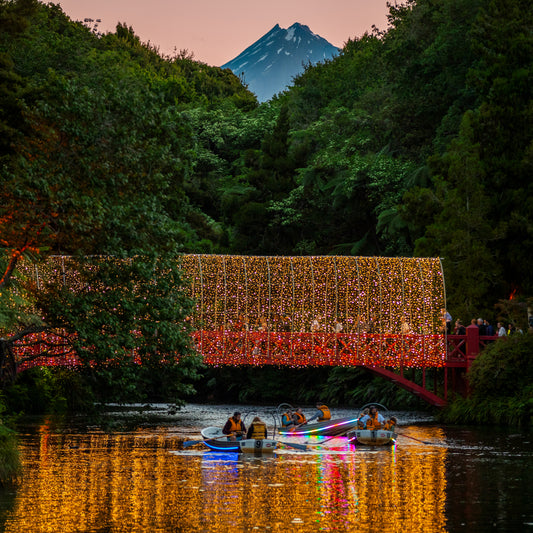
[[325, 428]]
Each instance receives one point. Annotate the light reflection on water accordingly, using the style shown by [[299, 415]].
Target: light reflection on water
[[144, 481]]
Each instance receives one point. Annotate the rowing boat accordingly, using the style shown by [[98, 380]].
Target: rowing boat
[[215, 440], [327, 428], [372, 437]]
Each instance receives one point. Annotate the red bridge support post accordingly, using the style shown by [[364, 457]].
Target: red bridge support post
[[472, 344], [472, 350]]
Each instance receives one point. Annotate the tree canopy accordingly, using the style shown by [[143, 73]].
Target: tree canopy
[[415, 140], [96, 152]]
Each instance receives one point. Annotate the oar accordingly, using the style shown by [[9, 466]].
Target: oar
[[413, 438], [327, 440], [294, 428], [297, 446], [303, 447], [188, 443]]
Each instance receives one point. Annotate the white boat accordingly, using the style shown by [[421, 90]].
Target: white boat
[[372, 437], [217, 441]]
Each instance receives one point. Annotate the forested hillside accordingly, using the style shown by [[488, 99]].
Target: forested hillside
[[416, 140]]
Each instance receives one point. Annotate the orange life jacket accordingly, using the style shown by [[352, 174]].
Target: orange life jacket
[[389, 425], [259, 430], [235, 426], [326, 415], [300, 417], [286, 420], [373, 423]]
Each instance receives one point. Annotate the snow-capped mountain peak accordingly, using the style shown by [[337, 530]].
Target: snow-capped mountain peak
[[269, 65]]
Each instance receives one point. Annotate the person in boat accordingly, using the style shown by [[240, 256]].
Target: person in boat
[[287, 420], [363, 413], [257, 429], [322, 413], [373, 420], [390, 424], [298, 417], [234, 427]]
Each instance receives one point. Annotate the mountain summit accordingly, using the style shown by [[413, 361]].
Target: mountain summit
[[269, 65]]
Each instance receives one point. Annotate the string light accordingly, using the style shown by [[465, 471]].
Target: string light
[[306, 311], [312, 311]]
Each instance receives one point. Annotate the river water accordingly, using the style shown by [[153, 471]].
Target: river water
[[435, 479]]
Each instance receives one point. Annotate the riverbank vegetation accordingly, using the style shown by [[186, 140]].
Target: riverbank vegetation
[[501, 381], [415, 141], [10, 464]]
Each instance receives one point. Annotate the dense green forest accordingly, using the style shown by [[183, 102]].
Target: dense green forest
[[415, 141]]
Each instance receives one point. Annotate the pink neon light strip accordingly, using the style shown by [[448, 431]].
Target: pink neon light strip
[[319, 429]]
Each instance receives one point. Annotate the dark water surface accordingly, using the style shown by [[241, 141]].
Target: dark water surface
[[436, 479]]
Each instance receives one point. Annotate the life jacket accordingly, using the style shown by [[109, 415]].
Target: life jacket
[[259, 430], [373, 423], [389, 425], [326, 415], [300, 417], [286, 420], [235, 426]]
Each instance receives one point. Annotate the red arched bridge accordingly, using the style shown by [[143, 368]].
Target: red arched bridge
[[386, 314]]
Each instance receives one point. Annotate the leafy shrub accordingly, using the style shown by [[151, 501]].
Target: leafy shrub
[[504, 368], [501, 382], [9, 453], [48, 390]]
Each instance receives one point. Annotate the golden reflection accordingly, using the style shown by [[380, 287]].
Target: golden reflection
[[139, 482]]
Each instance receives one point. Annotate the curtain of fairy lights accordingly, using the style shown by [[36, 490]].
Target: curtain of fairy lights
[[308, 311], [332, 310]]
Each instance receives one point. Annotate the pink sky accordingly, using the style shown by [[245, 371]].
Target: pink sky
[[216, 31]]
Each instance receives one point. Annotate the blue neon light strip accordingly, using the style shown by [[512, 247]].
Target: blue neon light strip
[[225, 449]]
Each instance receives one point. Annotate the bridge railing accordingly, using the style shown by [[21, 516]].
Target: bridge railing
[[300, 349], [294, 349], [463, 349]]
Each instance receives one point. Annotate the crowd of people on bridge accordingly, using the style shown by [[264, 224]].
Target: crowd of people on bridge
[[486, 329]]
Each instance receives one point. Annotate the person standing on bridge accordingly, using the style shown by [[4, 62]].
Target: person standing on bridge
[[459, 328], [489, 328]]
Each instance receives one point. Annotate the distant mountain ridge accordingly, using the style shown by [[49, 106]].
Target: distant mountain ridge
[[269, 65]]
